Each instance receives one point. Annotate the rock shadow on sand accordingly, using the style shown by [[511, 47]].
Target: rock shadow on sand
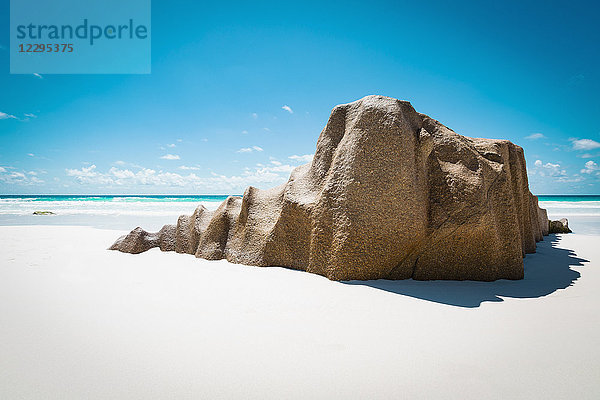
[[546, 271]]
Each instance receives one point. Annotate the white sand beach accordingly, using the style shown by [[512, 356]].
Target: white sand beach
[[387, 164], [80, 322]]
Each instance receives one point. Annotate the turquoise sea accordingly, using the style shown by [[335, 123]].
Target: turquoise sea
[[121, 211], [102, 211]]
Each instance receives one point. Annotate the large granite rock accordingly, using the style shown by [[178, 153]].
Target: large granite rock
[[560, 226], [390, 193]]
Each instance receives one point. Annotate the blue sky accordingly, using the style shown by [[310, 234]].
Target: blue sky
[[239, 93]]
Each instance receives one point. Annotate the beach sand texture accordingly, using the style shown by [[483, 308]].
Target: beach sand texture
[[80, 322]]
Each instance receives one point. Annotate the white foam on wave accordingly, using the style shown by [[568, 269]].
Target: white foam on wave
[[129, 206], [75, 207], [559, 209]]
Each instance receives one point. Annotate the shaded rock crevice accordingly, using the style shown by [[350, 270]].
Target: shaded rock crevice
[[390, 193]]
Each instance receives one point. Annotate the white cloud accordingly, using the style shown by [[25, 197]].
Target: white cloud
[[244, 132], [535, 136], [279, 168], [122, 163], [7, 116], [186, 168], [29, 115], [179, 140], [288, 109], [84, 172], [8, 175], [171, 145], [549, 169], [255, 115], [305, 158], [31, 154], [585, 144], [554, 172], [274, 174], [38, 75], [120, 177], [249, 149], [271, 175], [170, 157], [590, 168]]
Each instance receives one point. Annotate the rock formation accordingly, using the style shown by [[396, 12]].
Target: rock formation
[[560, 226], [391, 193], [43, 213]]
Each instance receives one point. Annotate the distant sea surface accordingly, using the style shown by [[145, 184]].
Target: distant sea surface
[[121, 211], [111, 212], [106, 205]]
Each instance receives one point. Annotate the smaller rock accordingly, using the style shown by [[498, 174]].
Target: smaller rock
[[560, 226], [43, 213]]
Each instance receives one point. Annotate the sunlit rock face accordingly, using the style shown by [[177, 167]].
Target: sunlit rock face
[[390, 193]]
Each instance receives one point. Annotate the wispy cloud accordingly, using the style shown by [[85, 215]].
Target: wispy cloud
[[249, 149], [261, 174], [186, 168], [255, 115], [288, 109], [38, 75], [535, 136], [122, 163], [31, 154], [9, 175], [170, 157], [585, 144], [576, 79], [305, 158], [27, 116], [171, 145], [7, 116], [244, 132]]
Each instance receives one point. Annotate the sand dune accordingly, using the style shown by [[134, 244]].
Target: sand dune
[[81, 322]]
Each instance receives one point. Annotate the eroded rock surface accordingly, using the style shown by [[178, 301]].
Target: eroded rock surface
[[560, 226], [391, 193]]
